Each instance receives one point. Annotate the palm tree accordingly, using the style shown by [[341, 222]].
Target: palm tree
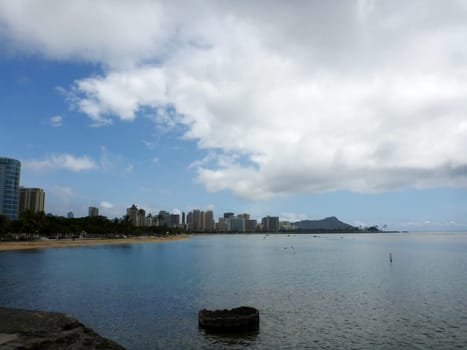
[[29, 224]]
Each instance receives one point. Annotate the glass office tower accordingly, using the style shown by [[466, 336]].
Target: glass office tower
[[9, 187]]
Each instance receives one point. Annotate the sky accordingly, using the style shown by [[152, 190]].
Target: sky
[[297, 109]]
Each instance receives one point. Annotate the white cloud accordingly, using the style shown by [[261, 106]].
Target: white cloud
[[56, 121], [299, 96], [111, 210], [120, 93], [61, 162], [293, 217], [108, 31], [107, 205]]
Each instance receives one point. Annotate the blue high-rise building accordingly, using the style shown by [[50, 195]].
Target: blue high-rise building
[[9, 187]]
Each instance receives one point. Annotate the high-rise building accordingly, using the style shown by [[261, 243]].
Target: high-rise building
[[132, 213], [70, 215], [228, 215], [250, 225], [221, 225], [93, 212], [202, 221], [236, 224], [189, 220], [174, 220], [137, 216], [244, 216], [32, 199], [197, 220], [270, 223], [10, 170], [164, 218], [141, 218], [208, 220]]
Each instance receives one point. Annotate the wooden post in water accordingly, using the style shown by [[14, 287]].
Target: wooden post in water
[[390, 257]]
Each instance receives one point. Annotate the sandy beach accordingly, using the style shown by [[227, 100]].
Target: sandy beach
[[58, 243]]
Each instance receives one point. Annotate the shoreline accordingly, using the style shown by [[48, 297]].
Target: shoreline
[[63, 243]]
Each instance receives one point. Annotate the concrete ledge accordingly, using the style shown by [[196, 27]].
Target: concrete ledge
[[26, 329]]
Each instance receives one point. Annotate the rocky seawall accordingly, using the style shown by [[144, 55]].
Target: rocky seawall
[[26, 329]]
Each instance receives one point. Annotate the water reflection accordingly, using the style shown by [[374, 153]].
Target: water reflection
[[122, 246], [29, 251]]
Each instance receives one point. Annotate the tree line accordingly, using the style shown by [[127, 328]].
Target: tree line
[[30, 224]]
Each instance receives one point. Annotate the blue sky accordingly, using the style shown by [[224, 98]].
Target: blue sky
[[302, 110]]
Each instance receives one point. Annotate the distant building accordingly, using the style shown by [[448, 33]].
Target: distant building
[[236, 224], [208, 221], [141, 220], [198, 220], [164, 218], [239, 223], [132, 213], [70, 215], [270, 223], [174, 220], [244, 216], [202, 222], [228, 215], [32, 199], [10, 170], [189, 220], [150, 220], [183, 219], [93, 212], [221, 226], [137, 216], [251, 225]]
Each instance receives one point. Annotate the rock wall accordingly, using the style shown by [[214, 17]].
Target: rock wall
[[25, 329]]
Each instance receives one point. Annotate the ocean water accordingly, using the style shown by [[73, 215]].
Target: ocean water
[[326, 292]]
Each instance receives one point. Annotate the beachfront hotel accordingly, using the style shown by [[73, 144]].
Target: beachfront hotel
[[32, 199], [10, 170]]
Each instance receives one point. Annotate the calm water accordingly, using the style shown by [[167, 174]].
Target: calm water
[[326, 293]]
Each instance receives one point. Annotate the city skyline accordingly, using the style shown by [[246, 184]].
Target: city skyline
[[15, 199], [354, 110]]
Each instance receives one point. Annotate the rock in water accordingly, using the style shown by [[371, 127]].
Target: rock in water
[[240, 319], [25, 329]]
